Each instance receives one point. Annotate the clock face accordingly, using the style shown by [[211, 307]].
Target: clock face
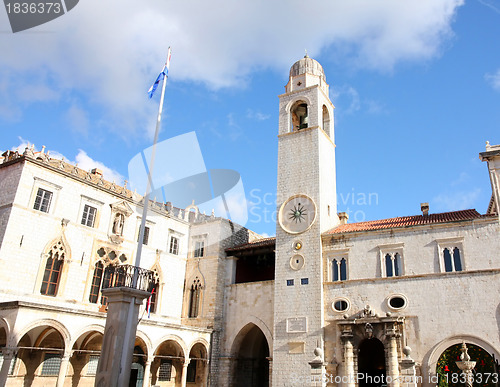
[[297, 214]]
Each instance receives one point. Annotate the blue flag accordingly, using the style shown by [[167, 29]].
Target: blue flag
[[161, 76]]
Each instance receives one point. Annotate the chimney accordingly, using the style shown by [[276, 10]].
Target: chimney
[[96, 171], [344, 217], [424, 207]]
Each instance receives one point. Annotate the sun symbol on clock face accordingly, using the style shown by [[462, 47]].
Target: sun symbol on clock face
[[297, 213]]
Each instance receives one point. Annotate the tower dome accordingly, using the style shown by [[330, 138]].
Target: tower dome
[[307, 65]]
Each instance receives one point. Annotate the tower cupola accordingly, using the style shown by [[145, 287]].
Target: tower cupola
[[304, 73]]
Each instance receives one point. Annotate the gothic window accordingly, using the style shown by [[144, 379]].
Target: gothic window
[[100, 280], [88, 216], [174, 245], [339, 269], [194, 298], [199, 249], [393, 265], [42, 200], [53, 268], [452, 261], [153, 301]]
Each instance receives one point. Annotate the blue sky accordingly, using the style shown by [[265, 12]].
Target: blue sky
[[416, 86]]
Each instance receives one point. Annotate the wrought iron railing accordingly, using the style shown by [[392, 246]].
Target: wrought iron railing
[[128, 276]]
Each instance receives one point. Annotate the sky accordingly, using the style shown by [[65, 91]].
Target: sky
[[415, 84]]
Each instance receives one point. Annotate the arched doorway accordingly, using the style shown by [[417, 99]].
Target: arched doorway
[[86, 353], [251, 368], [371, 363], [449, 375], [197, 368], [40, 355]]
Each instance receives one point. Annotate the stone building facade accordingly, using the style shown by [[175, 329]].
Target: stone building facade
[[325, 302]]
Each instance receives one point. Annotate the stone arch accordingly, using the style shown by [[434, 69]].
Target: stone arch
[[174, 338], [41, 345], [199, 340], [147, 341], [168, 362], [86, 351], [197, 369], [59, 327], [257, 322], [250, 354], [298, 112], [6, 326], [430, 360]]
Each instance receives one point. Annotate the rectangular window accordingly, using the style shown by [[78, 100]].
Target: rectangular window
[[51, 364], [289, 282], [165, 372], [174, 245], [92, 365], [88, 217], [199, 249], [304, 281], [146, 235], [42, 200]]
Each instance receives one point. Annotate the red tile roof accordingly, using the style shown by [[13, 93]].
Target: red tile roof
[[407, 221]]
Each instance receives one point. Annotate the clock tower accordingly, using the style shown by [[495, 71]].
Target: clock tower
[[307, 207]]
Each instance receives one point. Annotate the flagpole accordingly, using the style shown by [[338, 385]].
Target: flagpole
[[150, 179], [131, 323]]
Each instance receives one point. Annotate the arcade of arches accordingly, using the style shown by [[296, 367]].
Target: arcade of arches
[[43, 357]]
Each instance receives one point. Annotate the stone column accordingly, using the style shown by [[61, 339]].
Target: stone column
[[392, 335], [8, 355], [116, 354], [348, 357], [270, 359], [205, 373], [147, 373], [184, 372], [63, 370], [408, 373]]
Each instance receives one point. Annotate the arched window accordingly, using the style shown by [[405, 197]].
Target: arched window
[[53, 268], [339, 269], [100, 280], [326, 120], [299, 116], [153, 301], [452, 261], [195, 298], [393, 265]]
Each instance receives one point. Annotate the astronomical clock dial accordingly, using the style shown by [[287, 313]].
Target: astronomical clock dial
[[297, 214]]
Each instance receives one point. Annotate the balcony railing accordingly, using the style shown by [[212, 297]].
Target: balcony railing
[[128, 276]]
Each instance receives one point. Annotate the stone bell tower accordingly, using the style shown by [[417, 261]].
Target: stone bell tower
[[307, 207]]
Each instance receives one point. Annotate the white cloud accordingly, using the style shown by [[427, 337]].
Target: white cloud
[[494, 80], [253, 115], [457, 200], [83, 160], [111, 51]]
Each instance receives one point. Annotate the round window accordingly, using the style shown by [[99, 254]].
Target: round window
[[340, 305], [397, 302]]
